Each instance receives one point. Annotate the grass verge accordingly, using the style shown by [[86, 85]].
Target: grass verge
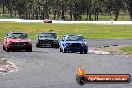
[[87, 30], [127, 49]]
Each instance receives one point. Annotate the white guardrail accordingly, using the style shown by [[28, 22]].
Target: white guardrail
[[70, 22]]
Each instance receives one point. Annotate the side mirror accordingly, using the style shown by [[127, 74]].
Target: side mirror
[[7, 37]]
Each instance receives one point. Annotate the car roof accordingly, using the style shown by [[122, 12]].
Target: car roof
[[72, 35], [47, 33], [16, 32]]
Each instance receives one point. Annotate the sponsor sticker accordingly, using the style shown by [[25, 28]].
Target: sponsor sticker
[[82, 78], [108, 78]]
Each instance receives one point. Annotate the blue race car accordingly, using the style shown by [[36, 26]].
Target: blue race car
[[73, 43]]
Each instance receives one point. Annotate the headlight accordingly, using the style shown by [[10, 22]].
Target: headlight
[[12, 43]]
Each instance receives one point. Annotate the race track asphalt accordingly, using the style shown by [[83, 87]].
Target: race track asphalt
[[48, 68]]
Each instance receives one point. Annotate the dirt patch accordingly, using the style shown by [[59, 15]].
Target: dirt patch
[[3, 62], [6, 66], [115, 49]]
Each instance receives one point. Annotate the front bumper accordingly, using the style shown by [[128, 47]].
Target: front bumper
[[49, 43], [19, 47], [76, 49], [73, 49]]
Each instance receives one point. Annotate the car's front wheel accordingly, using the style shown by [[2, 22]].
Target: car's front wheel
[[81, 52], [4, 48], [64, 50], [61, 50], [29, 50], [7, 49], [86, 51], [38, 45]]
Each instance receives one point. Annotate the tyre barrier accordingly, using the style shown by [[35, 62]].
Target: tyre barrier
[[7, 68]]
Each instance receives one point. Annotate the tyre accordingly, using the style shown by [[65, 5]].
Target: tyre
[[57, 46], [38, 45], [29, 50], [4, 48], [81, 52], [7, 49], [61, 50], [86, 51], [64, 50], [52, 46]]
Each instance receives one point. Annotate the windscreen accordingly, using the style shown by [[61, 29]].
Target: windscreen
[[48, 35], [19, 35], [74, 38]]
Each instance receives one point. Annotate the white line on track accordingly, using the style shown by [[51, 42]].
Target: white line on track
[[70, 22]]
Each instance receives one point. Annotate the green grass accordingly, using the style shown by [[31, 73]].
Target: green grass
[[127, 49], [87, 30]]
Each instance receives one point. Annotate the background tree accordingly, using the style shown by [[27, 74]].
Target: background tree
[[66, 9]]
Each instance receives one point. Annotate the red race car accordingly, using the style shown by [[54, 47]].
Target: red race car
[[17, 41], [47, 21]]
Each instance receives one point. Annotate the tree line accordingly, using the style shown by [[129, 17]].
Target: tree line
[[66, 9]]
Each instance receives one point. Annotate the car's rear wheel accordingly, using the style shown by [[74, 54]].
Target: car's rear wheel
[[30, 50]]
